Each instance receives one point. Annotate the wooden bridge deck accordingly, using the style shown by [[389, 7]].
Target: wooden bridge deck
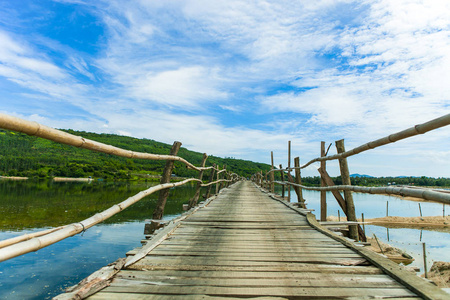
[[244, 244]]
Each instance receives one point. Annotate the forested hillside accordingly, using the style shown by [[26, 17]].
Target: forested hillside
[[23, 155]]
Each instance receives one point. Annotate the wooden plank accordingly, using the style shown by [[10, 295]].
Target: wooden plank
[[253, 275], [251, 282], [298, 292], [300, 267], [122, 296]]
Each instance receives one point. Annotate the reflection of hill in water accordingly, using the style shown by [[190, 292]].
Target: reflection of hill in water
[[37, 204]]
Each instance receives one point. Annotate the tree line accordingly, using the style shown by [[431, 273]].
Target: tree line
[[28, 156]]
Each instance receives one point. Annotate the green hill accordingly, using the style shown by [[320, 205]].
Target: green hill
[[23, 155]]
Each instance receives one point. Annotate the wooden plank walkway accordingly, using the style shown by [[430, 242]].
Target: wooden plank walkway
[[244, 244]]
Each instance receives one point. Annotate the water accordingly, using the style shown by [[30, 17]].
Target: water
[[374, 206], [28, 206]]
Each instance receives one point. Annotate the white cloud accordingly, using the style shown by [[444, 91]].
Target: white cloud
[[187, 86]]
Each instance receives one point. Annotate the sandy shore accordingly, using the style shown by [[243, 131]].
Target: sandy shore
[[13, 178], [404, 222], [72, 179]]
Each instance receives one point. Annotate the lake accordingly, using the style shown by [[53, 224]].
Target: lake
[[28, 206]]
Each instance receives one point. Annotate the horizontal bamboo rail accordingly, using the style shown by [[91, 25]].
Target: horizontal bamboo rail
[[39, 130], [416, 130], [49, 237], [426, 194]]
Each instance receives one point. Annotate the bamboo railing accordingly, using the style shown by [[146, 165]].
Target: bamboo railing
[[328, 185], [32, 242]]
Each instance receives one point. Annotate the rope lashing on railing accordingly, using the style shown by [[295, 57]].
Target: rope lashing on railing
[[442, 197], [39, 130], [22, 245], [416, 130]]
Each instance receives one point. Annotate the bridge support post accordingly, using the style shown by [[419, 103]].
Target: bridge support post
[[323, 194], [345, 175], [283, 188], [167, 173], [298, 180], [211, 178], [289, 170], [272, 176], [193, 200]]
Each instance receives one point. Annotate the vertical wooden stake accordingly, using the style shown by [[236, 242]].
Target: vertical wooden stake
[[376, 239], [272, 175], [420, 210], [282, 180], [443, 210], [323, 194], [218, 177], [193, 200], [345, 175], [220, 185], [211, 178], [387, 208], [362, 220], [339, 215], [167, 173], [298, 180], [289, 170], [424, 247]]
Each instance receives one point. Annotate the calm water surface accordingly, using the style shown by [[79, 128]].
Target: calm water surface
[[27, 206], [410, 240]]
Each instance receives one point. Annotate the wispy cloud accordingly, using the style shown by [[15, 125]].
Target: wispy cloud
[[236, 78]]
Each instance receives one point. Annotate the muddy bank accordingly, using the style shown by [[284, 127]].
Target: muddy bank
[[440, 274]]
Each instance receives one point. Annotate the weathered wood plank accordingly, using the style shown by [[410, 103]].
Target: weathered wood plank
[[298, 292]]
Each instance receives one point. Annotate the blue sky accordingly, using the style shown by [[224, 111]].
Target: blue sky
[[237, 78]]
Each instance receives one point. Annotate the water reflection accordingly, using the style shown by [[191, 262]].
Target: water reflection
[[28, 206]]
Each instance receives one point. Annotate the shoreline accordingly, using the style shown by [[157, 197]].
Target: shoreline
[[432, 223]]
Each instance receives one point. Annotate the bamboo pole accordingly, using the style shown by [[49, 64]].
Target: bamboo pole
[[272, 176], [426, 194], [40, 242], [211, 177], [167, 173], [298, 180], [345, 176], [323, 194], [289, 169], [193, 201], [39, 130], [282, 180], [416, 130], [217, 179]]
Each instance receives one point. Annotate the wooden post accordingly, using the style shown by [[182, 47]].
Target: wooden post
[[345, 175], [218, 177], [289, 170], [298, 180], [272, 176], [323, 194], [282, 180], [424, 247], [220, 185], [211, 178], [193, 200], [167, 173]]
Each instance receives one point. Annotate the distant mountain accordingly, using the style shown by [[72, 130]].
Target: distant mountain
[[361, 175]]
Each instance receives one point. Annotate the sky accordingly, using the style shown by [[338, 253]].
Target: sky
[[238, 78]]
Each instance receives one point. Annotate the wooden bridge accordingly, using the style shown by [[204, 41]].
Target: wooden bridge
[[245, 244]]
